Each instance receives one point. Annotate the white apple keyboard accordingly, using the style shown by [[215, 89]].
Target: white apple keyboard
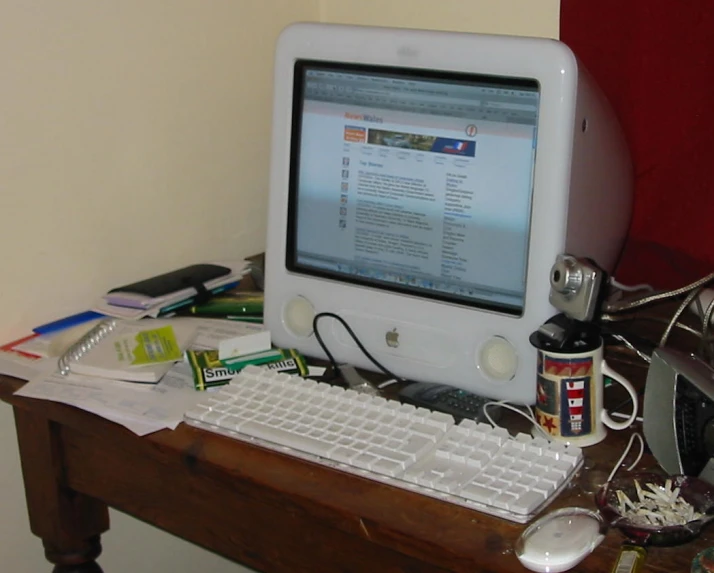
[[470, 464]]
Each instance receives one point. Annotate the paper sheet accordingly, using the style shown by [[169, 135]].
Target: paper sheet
[[142, 408]]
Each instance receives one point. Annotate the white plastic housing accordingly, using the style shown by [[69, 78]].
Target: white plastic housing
[[581, 205]]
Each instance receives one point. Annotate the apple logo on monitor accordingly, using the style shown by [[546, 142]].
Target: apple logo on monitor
[[392, 338]]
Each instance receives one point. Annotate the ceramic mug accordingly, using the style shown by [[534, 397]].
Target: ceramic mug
[[569, 400]]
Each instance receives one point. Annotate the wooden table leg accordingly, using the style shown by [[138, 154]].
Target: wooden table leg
[[69, 523]]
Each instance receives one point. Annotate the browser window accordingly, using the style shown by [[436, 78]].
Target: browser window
[[413, 181]]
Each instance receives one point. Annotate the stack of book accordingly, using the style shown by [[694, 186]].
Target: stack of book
[[165, 294], [157, 296]]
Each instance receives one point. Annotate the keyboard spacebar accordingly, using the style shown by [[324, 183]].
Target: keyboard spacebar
[[283, 438]]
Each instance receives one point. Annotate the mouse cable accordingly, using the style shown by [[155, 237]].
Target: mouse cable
[[524, 410], [616, 467], [352, 334]]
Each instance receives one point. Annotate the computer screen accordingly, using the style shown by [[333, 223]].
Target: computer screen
[[422, 184], [390, 167]]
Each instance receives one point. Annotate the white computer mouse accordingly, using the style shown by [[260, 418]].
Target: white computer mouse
[[560, 540]]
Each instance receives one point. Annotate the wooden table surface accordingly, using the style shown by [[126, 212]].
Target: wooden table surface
[[264, 509]]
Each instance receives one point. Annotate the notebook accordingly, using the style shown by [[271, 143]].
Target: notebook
[[184, 283], [138, 351]]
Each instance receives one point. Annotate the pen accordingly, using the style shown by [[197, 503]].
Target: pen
[[67, 322]]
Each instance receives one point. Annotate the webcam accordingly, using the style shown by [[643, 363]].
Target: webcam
[[575, 287]]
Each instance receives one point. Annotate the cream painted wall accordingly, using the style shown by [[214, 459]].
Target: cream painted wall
[[517, 17], [134, 138]]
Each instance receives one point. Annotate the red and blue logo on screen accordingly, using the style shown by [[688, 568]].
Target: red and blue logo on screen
[[454, 146]]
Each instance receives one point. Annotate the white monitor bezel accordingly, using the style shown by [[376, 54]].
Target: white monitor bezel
[[458, 332]]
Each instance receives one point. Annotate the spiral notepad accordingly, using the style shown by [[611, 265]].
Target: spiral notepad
[[139, 351]]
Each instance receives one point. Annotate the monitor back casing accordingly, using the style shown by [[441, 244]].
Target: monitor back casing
[[581, 205]]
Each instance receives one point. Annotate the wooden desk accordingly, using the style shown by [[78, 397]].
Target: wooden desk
[[263, 509]]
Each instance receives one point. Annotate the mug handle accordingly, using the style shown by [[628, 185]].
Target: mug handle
[[604, 416]]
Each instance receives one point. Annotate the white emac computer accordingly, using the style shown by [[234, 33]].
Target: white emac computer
[[421, 185]]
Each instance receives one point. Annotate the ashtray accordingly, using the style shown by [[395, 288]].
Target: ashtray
[[653, 509]]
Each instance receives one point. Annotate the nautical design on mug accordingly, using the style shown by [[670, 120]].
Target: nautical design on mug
[[546, 401], [567, 367], [575, 406], [563, 395]]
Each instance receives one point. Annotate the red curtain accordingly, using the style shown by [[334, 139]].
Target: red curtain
[[654, 59]]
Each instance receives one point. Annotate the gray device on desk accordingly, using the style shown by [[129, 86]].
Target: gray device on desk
[[678, 412]]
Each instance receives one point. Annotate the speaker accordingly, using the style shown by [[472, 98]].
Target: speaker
[[678, 411]]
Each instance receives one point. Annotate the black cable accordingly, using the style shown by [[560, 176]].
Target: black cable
[[349, 330]]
